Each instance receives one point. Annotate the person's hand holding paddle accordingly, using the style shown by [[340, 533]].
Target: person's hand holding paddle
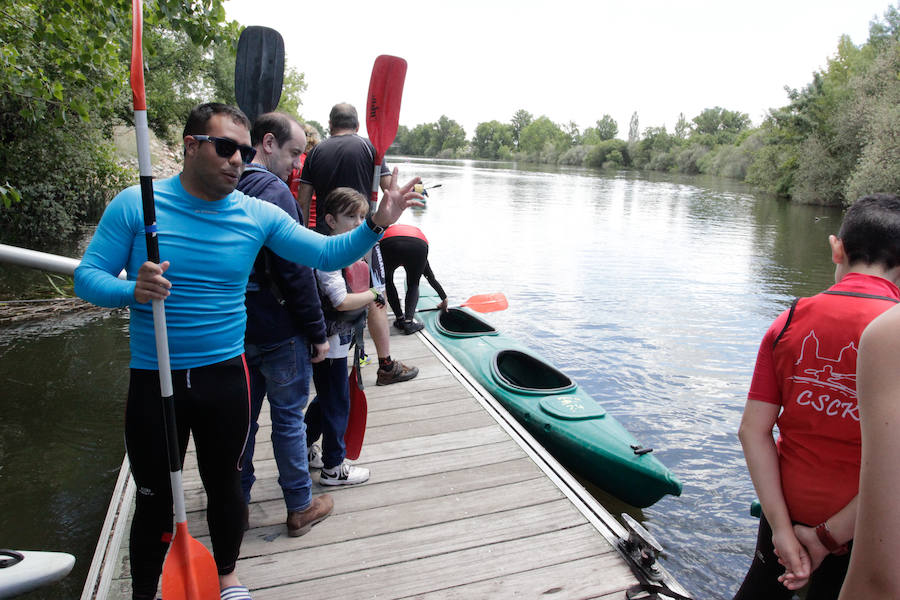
[[396, 200], [150, 284]]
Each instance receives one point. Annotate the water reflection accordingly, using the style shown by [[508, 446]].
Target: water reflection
[[652, 291]]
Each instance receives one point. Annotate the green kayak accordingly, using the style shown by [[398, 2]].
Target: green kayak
[[571, 425]]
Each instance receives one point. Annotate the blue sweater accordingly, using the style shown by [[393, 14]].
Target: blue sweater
[[211, 247], [268, 321]]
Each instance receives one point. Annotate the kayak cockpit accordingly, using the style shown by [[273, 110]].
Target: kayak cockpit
[[527, 374], [455, 322]]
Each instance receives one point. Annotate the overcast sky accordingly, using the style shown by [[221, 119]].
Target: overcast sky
[[480, 60]]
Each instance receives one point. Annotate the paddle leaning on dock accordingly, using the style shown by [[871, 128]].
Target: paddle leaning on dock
[[554, 409]]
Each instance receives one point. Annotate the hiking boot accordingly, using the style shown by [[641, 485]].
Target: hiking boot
[[315, 457], [397, 373], [344, 474], [299, 522], [410, 327]]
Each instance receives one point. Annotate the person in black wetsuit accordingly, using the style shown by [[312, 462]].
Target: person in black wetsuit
[[406, 246]]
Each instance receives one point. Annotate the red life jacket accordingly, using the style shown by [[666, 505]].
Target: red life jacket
[[401, 229], [815, 363]]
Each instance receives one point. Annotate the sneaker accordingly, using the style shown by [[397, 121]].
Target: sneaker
[[299, 522], [410, 327], [344, 474], [398, 323], [364, 360], [315, 457], [397, 373]]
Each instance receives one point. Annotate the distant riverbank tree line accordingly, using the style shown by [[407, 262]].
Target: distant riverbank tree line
[[837, 139], [64, 81]]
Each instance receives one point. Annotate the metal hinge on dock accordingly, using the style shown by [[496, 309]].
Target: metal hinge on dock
[[642, 550]]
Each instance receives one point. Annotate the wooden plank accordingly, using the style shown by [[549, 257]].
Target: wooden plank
[[394, 516], [418, 446], [424, 575], [575, 579], [448, 463], [406, 546]]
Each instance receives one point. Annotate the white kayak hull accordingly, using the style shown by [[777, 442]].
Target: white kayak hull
[[27, 570]]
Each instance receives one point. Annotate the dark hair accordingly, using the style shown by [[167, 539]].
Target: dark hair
[[871, 230], [343, 116], [200, 115], [343, 201], [278, 124]]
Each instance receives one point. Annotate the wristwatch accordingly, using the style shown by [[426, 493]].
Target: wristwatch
[[828, 541], [378, 229]]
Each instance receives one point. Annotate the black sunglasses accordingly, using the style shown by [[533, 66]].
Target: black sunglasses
[[226, 148]]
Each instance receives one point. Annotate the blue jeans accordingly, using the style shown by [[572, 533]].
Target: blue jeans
[[329, 411], [281, 372]]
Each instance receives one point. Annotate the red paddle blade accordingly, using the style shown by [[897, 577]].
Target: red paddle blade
[[189, 572], [356, 424], [383, 102], [485, 303], [137, 57]]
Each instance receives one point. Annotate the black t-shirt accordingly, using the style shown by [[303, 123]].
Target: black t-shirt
[[340, 161]]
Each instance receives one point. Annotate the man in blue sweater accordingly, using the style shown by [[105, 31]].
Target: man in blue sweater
[[284, 322]]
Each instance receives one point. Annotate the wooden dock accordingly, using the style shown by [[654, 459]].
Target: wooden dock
[[462, 503]]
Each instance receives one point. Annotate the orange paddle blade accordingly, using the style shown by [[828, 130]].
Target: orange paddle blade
[[484, 303], [356, 423], [189, 572]]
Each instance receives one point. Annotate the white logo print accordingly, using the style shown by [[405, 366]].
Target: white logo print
[[827, 390]]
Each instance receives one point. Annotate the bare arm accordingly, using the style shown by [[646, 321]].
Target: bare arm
[[304, 197], [840, 524], [762, 462], [873, 566]]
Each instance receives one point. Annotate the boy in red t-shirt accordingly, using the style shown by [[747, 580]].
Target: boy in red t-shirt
[[805, 382]]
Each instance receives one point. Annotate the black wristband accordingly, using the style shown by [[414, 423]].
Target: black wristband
[[375, 228]]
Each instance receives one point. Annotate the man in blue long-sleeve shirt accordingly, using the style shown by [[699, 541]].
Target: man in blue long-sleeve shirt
[[284, 320], [209, 235]]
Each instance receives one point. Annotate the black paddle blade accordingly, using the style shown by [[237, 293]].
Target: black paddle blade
[[258, 70]]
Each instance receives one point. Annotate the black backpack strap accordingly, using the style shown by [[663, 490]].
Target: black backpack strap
[[861, 295], [788, 322]]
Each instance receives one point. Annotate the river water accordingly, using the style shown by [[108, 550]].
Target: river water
[[652, 291]]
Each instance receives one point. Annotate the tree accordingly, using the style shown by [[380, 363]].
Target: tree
[[450, 135], [633, 128], [607, 128], [540, 133], [63, 75], [682, 127], [520, 121], [573, 134], [492, 140]]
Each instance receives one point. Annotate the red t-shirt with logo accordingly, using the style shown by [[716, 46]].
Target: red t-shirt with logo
[[811, 374]]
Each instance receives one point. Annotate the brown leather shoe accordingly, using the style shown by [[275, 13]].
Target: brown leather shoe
[[299, 522], [399, 372]]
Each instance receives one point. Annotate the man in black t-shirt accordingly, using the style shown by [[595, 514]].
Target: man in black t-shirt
[[348, 160]]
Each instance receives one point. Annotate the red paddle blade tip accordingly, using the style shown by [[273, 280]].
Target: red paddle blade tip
[[137, 56], [383, 102], [190, 572]]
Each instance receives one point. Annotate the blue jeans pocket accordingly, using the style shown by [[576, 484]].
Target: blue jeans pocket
[[279, 361]]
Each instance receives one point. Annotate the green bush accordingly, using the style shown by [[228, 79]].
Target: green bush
[[66, 175]]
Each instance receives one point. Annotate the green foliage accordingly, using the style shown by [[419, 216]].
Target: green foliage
[[493, 139], [634, 125], [444, 138], [291, 92], [607, 128], [64, 80], [608, 151], [539, 134], [60, 195], [520, 121]]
